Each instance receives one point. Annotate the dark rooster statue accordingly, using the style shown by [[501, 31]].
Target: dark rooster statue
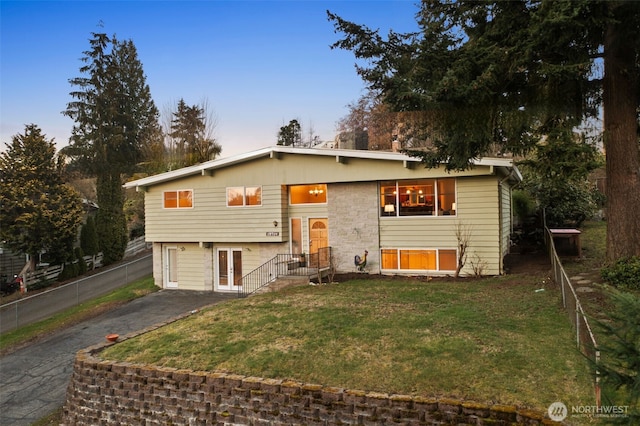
[[361, 262]]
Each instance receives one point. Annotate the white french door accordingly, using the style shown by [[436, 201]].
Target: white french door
[[229, 270]]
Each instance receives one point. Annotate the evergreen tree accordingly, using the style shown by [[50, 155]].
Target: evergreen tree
[[193, 135], [154, 153], [556, 175], [89, 238], [115, 117], [620, 361], [82, 265], [291, 134], [38, 212], [138, 115], [505, 73]]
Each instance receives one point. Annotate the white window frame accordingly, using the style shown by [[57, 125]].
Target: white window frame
[[244, 196], [436, 212], [177, 207], [436, 249]]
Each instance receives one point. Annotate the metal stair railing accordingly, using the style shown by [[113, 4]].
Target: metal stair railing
[[265, 274], [284, 265]]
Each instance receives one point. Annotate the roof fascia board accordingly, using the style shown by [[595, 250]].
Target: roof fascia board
[[342, 156]]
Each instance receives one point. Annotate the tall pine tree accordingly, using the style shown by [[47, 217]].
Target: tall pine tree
[[38, 212], [115, 118], [291, 134], [506, 73], [192, 132]]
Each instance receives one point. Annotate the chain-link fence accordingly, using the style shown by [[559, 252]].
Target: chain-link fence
[[42, 305], [585, 340]]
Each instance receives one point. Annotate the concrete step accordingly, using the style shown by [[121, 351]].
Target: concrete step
[[287, 281]]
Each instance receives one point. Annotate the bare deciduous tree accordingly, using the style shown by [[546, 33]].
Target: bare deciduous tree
[[463, 237]]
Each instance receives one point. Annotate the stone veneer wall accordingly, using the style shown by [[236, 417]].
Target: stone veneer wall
[[119, 393], [353, 224]]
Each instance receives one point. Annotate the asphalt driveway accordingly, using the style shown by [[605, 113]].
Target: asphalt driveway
[[33, 380]]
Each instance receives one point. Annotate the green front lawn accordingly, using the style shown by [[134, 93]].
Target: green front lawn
[[494, 340]]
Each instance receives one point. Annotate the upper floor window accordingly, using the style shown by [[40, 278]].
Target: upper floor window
[[244, 196], [182, 199], [308, 194], [420, 197]]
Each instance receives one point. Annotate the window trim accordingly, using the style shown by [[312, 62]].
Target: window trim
[[244, 196], [436, 198], [398, 257], [177, 192]]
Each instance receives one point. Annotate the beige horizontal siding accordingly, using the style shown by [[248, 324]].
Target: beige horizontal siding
[[505, 199], [477, 203], [211, 220], [197, 266], [190, 270], [478, 198]]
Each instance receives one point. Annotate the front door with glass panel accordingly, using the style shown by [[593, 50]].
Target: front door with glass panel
[[229, 271], [318, 239], [318, 234], [171, 267]]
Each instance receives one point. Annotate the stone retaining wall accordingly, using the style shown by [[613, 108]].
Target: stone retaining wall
[[106, 393]]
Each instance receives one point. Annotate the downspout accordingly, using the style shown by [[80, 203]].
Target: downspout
[[501, 218], [510, 196]]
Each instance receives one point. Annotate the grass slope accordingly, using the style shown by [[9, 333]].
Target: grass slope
[[488, 340]]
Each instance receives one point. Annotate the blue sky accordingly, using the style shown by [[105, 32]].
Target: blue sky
[[258, 64]]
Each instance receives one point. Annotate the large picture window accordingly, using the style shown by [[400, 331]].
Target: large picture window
[[419, 259], [308, 194], [182, 199], [244, 196], [420, 197]]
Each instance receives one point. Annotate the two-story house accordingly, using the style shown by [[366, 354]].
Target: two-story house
[[213, 223]]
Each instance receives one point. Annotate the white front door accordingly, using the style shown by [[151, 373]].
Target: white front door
[[229, 271], [171, 267]]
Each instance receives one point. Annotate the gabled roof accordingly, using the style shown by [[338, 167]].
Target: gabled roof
[[208, 167]]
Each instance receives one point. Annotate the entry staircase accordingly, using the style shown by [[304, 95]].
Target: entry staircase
[[286, 269]]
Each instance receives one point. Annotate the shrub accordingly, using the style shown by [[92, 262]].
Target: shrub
[[41, 284], [620, 361], [70, 270], [567, 203], [624, 273], [137, 230], [523, 205], [82, 265], [89, 237]]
